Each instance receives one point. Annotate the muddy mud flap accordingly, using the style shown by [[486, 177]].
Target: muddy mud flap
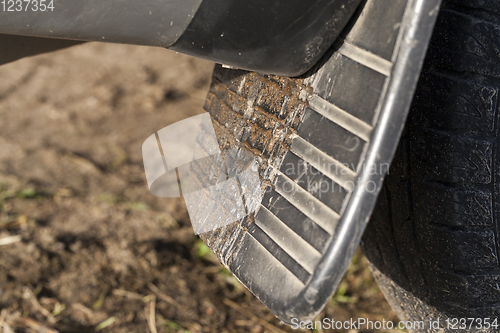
[[323, 143]]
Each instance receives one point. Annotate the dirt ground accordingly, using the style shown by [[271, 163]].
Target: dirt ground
[[84, 246]]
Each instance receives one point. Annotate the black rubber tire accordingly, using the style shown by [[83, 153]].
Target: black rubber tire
[[433, 240]]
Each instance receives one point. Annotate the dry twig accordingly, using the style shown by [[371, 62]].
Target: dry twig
[[28, 294], [161, 295], [34, 325], [10, 240], [126, 293], [82, 308], [150, 315]]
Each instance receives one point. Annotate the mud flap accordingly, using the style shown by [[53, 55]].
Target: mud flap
[[324, 143]]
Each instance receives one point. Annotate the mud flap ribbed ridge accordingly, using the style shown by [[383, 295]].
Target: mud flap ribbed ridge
[[323, 143]]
